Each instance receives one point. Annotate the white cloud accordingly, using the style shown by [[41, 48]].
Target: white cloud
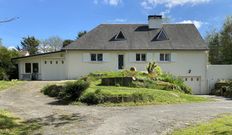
[[113, 2], [198, 24], [149, 4], [109, 2], [117, 20]]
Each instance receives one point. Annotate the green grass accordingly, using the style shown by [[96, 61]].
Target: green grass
[[8, 84], [219, 126], [11, 125], [158, 96]]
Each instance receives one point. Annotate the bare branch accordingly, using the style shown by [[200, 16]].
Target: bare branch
[[9, 20]]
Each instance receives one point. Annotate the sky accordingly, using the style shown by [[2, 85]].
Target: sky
[[65, 18]]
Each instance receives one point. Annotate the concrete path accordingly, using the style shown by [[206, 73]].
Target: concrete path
[[27, 102]]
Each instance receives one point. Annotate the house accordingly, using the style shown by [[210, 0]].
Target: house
[[177, 48]]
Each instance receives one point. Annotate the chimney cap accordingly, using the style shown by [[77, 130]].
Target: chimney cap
[[154, 17]]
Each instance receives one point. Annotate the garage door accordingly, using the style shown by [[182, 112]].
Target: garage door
[[194, 83], [53, 69]]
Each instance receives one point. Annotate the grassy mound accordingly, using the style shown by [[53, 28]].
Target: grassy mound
[[219, 126], [8, 84], [164, 89], [11, 125]]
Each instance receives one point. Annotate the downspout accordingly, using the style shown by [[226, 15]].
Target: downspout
[[66, 62]]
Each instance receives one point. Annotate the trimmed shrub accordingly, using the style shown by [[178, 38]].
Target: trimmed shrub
[[52, 90], [98, 97], [73, 90]]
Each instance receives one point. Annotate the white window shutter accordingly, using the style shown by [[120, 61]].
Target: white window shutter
[[150, 57], [132, 57], [173, 57], [106, 57], [157, 57], [86, 57]]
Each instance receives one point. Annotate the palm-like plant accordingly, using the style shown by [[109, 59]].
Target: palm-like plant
[[151, 67]]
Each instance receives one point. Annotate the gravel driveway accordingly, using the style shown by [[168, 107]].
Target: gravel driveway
[[27, 102]]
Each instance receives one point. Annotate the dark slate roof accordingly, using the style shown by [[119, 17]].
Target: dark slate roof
[[140, 37]]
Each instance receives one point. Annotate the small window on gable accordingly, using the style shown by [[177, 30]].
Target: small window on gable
[[161, 36], [119, 37]]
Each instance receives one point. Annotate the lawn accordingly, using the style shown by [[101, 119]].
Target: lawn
[[11, 125], [166, 89], [149, 96], [219, 126], [8, 84]]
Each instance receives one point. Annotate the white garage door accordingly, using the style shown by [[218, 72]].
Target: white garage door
[[194, 83], [53, 69]]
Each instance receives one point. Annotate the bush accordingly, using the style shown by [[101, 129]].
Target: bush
[[52, 90], [176, 81], [98, 97], [73, 90]]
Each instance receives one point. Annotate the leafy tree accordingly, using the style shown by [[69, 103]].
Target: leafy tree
[[51, 44], [7, 68], [30, 44], [67, 42], [220, 44], [213, 39], [80, 34], [1, 42], [226, 41]]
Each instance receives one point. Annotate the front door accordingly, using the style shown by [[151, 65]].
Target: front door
[[35, 71], [120, 61]]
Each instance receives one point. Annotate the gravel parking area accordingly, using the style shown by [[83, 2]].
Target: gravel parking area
[[27, 102]]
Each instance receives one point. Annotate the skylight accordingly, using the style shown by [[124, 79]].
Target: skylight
[[160, 36], [120, 36]]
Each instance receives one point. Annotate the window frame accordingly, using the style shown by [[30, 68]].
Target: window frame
[[25, 68], [165, 57], [141, 57], [96, 57]]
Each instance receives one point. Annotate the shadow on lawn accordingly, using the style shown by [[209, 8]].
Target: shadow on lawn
[[56, 120], [13, 125], [59, 102]]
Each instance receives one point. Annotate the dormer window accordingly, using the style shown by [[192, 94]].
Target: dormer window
[[161, 36], [119, 37]]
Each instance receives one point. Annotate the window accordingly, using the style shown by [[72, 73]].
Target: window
[[140, 57], [56, 62], [35, 67], [28, 67], [62, 62], [45, 62], [96, 57], [165, 57], [50, 62]]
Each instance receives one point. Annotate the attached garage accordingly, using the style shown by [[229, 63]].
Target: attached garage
[[53, 69], [46, 66], [194, 82]]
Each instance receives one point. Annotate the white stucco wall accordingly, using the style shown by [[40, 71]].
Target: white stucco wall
[[46, 71], [78, 64], [218, 72], [182, 62]]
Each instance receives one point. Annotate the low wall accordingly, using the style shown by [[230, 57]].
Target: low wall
[[218, 72]]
